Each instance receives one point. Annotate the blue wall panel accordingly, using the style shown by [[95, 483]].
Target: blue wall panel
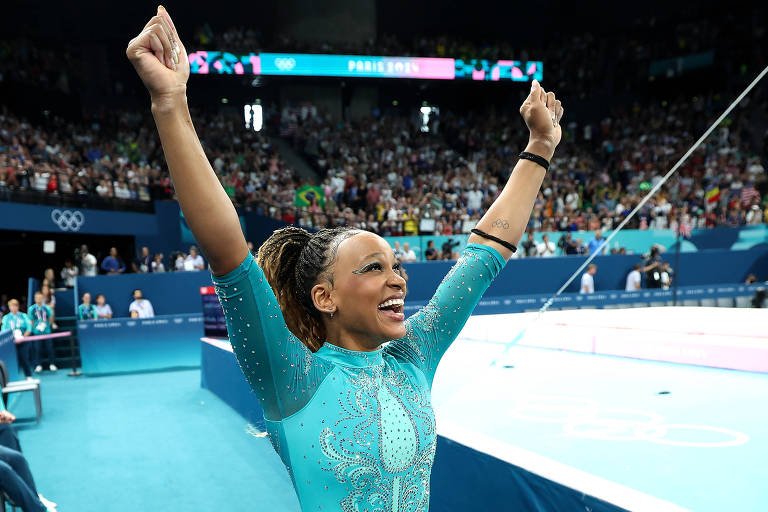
[[131, 345], [221, 374], [466, 479], [60, 219], [546, 275], [178, 292], [167, 236]]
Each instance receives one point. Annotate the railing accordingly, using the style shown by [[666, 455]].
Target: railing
[[75, 200]]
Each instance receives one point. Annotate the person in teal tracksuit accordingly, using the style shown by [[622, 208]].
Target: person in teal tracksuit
[[86, 310], [19, 323], [41, 318], [317, 321]]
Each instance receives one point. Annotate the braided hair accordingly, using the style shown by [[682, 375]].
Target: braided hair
[[293, 260]]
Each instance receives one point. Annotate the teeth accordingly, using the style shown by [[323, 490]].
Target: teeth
[[391, 302]]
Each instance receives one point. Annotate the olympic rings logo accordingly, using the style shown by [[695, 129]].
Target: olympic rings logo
[[584, 418], [68, 220], [285, 63]]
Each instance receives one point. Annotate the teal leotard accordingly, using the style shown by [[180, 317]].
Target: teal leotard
[[356, 430]]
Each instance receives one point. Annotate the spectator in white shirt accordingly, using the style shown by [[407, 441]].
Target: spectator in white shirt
[[546, 249], [157, 263], [588, 279], [408, 253], [633, 279], [140, 307], [474, 198], [178, 263], [103, 310], [69, 273], [88, 262], [398, 252], [194, 261]]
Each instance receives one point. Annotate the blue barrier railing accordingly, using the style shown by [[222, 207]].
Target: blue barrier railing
[[140, 344]]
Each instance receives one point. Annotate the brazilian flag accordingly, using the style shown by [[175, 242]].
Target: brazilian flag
[[305, 194]]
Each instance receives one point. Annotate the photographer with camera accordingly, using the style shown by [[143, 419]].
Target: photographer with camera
[[652, 268], [448, 253]]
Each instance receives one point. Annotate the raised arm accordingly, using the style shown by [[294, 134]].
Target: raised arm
[[161, 61], [508, 215]]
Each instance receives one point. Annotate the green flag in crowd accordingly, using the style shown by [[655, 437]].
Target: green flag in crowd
[[305, 194]]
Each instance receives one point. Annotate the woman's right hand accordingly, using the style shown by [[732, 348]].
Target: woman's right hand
[[159, 58], [542, 112]]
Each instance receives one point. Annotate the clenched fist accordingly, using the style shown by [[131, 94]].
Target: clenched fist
[[542, 113], [159, 58]]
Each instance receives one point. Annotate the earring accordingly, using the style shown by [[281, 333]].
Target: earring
[[332, 312]]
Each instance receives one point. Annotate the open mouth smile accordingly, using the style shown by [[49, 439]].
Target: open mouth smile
[[392, 309]]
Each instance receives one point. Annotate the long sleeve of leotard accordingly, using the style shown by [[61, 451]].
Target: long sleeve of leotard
[[281, 371], [433, 328]]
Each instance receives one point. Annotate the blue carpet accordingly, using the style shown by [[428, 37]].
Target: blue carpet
[[153, 441]]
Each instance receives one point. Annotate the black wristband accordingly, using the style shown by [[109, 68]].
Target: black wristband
[[495, 239], [535, 158]]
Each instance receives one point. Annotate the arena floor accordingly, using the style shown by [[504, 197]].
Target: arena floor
[[642, 435], [147, 442], [639, 434]]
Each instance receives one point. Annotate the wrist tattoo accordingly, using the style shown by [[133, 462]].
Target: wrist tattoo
[[500, 223]]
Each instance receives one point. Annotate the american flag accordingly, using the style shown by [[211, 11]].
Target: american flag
[[748, 194]]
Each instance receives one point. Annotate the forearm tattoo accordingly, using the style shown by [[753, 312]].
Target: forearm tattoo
[[501, 224]]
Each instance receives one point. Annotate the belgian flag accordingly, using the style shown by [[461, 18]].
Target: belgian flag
[[713, 194]]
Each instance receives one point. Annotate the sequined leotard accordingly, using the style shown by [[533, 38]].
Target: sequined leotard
[[356, 430]]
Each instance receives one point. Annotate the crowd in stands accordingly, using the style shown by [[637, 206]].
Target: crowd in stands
[[118, 160], [386, 175]]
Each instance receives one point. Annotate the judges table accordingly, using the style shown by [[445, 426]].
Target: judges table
[[221, 374], [132, 344]]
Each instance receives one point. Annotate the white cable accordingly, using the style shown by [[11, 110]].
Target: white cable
[[651, 192]]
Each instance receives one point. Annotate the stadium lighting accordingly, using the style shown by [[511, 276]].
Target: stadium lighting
[[248, 114], [429, 115], [253, 115], [258, 119]]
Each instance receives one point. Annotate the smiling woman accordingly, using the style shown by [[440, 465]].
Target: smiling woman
[[352, 420], [316, 321]]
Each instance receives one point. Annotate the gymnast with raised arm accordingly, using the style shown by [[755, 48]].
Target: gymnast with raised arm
[[316, 320]]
